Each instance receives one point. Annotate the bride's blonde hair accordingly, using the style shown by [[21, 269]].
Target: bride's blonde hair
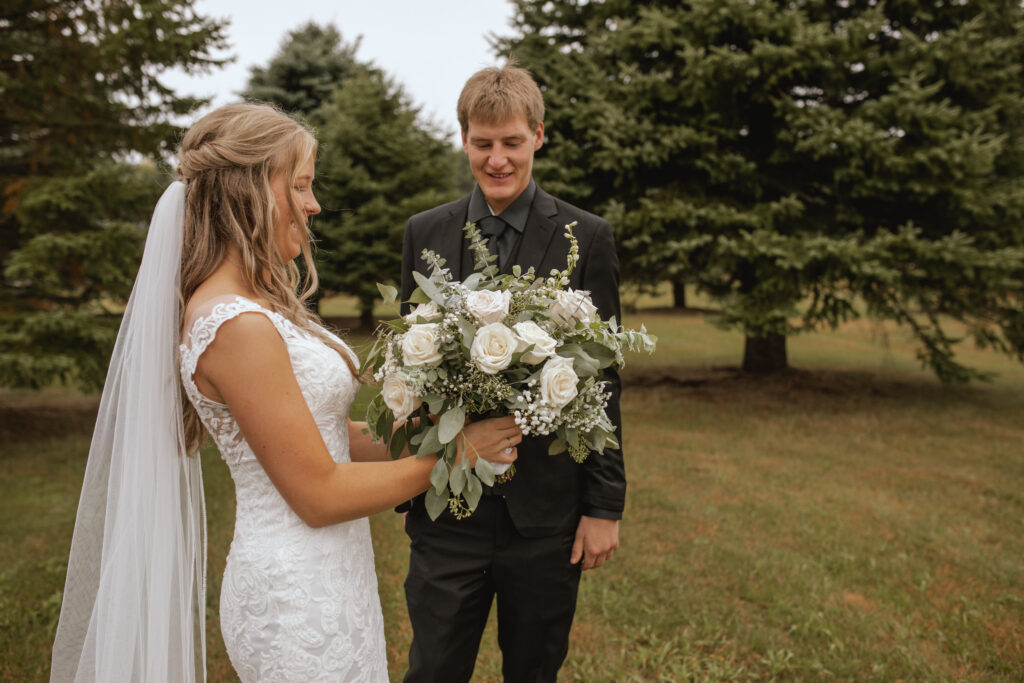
[[227, 161]]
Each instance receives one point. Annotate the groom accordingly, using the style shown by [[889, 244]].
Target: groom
[[530, 537]]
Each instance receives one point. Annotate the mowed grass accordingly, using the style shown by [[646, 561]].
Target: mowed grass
[[849, 520]]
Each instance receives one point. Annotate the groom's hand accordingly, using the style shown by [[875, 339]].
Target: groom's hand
[[596, 541]]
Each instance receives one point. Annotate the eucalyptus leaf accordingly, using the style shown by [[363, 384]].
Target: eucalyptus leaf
[[397, 444], [584, 364], [557, 446], [434, 403], [468, 332], [388, 293], [601, 353], [418, 296], [435, 503], [439, 476], [451, 424], [457, 480], [595, 439], [473, 281], [430, 443], [485, 471], [472, 492], [429, 288]]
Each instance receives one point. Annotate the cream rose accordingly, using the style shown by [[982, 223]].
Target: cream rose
[[558, 382], [420, 345], [488, 306], [493, 347], [571, 305], [543, 343], [398, 397], [425, 311]]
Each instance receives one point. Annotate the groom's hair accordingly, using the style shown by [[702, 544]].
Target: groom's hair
[[498, 94]]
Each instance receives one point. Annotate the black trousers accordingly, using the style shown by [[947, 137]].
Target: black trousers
[[457, 567]]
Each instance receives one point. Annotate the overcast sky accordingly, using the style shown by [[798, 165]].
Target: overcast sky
[[429, 46]]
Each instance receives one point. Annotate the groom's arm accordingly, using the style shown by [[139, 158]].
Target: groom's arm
[[604, 481], [408, 263]]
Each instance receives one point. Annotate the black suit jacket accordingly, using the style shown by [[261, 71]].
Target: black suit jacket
[[548, 493]]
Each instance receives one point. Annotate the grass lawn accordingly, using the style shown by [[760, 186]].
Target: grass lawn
[[849, 520]]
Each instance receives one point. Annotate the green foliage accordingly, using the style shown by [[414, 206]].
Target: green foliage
[[378, 163], [82, 91], [772, 153], [378, 166], [312, 62]]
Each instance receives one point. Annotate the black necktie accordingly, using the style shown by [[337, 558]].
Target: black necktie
[[502, 238]]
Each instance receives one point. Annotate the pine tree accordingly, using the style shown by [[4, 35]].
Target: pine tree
[[378, 162], [310, 64], [82, 93], [802, 162]]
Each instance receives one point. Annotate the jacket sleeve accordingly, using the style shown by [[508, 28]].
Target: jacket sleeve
[[408, 263], [604, 485]]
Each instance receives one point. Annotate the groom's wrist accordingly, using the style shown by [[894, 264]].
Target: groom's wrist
[[601, 513]]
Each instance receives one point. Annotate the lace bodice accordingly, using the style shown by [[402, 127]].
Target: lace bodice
[[297, 604]]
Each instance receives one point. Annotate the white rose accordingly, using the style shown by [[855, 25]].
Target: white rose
[[420, 345], [398, 397], [425, 311], [488, 306], [493, 347], [558, 382], [572, 305], [543, 343]]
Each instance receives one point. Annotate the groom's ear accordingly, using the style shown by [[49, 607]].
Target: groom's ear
[[465, 142], [538, 137]]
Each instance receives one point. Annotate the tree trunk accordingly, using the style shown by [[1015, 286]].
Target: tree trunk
[[765, 354], [366, 316], [678, 295]]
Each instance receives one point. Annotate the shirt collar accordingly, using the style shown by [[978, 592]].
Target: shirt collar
[[515, 214]]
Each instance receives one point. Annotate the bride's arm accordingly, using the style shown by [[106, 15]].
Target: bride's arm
[[248, 368], [488, 438]]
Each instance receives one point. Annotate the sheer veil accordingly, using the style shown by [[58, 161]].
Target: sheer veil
[[135, 596]]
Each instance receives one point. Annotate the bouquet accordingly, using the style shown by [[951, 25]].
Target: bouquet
[[487, 346]]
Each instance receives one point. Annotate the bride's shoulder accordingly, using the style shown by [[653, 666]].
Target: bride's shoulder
[[204, 315]]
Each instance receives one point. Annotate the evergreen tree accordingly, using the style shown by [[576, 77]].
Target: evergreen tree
[[796, 159], [311, 63], [378, 163], [82, 90]]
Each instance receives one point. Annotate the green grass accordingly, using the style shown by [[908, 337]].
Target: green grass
[[849, 520]]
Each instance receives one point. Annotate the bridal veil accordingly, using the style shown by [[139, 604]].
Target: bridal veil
[[135, 594]]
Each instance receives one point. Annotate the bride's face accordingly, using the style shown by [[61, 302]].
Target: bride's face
[[287, 235]]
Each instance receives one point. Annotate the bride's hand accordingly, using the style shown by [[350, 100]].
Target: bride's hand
[[493, 439]]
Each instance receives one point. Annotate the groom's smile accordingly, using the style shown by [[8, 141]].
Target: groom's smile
[[501, 157]]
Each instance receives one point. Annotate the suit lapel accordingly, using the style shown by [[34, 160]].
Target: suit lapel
[[449, 242], [540, 228]]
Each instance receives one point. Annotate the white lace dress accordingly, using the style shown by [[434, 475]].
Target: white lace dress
[[296, 604]]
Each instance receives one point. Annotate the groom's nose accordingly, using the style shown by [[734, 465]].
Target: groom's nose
[[498, 158]]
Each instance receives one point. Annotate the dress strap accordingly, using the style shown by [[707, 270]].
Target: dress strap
[[207, 320]]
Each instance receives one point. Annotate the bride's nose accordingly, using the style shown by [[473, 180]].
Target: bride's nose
[[312, 206]]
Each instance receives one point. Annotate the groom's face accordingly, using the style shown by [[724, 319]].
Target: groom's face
[[501, 157]]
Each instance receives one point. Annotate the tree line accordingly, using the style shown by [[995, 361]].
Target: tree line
[[803, 163]]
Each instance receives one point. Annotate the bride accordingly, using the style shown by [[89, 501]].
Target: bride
[[215, 316]]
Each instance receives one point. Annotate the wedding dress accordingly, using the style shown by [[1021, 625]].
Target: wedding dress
[[296, 603]]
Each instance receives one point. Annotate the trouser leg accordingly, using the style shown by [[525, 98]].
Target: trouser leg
[[536, 588], [449, 591]]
